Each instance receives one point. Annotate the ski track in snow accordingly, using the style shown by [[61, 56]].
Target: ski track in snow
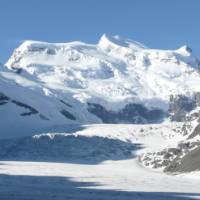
[[122, 179]]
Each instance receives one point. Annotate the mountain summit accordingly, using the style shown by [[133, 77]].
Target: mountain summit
[[116, 80]]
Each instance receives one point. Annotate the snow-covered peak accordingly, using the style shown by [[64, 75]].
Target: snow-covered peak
[[115, 80], [114, 72], [34, 46], [119, 42], [184, 50]]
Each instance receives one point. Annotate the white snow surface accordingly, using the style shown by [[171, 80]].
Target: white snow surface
[[113, 72], [121, 179]]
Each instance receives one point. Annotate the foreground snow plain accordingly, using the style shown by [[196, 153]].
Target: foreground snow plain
[[108, 178]]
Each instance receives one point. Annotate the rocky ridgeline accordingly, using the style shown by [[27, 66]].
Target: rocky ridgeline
[[173, 160], [131, 113], [185, 157], [181, 105]]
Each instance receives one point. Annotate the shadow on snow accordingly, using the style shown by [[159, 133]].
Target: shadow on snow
[[14, 187], [68, 148]]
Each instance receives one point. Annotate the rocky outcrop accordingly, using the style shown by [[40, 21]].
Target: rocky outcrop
[[176, 159], [131, 113], [29, 110], [188, 162], [67, 115], [180, 105], [3, 99]]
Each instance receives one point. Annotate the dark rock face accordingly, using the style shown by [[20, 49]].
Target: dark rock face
[[161, 159], [67, 115], [180, 105], [185, 157], [189, 128], [3, 99], [188, 163], [131, 113], [195, 132], [190, 118], [65, 103], [31, 110]]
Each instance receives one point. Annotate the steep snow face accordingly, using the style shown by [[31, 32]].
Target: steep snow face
[[119, 44], [92, 83], [26, 106]]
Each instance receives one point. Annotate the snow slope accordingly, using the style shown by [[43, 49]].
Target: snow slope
[[116, 80], [114, 71], [22, 106], [79, 178]]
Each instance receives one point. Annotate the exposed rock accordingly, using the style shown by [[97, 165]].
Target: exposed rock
[[131, 113], [67, 114], [188, 163], [32, 111], [67, 104], [161, 159], [3, 99], [180, 105], [185, 157]]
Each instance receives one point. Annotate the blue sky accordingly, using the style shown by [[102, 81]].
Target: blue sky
[[165, 24]]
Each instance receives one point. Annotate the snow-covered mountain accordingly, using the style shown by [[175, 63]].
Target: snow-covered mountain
[[117, 80]]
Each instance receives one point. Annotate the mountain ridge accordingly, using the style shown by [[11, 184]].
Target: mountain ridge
[[115, 81]]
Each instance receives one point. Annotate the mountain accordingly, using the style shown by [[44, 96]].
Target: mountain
[[183, 157], [117, 80]]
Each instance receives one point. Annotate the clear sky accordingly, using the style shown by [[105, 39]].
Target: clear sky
[[166, 24]]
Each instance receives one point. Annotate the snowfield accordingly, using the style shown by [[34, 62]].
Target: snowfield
[[96, 173], [115, 71]]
